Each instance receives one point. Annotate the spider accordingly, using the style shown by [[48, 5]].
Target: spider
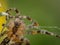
[[17, 29]]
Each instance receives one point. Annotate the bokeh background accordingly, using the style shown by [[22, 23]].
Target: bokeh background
[[46, 12]]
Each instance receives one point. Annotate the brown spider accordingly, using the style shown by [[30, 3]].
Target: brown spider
[[16, 29]]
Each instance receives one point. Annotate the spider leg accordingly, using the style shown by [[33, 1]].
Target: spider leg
[[16, 10], [33, 32], [5, 41], [9, 16], [17, 15], [3, 33], [34, 23]]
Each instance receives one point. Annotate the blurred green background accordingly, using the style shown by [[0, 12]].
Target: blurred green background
[[46, 12]]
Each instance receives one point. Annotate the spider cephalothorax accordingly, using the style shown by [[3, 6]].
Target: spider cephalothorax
[[16, 29]]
